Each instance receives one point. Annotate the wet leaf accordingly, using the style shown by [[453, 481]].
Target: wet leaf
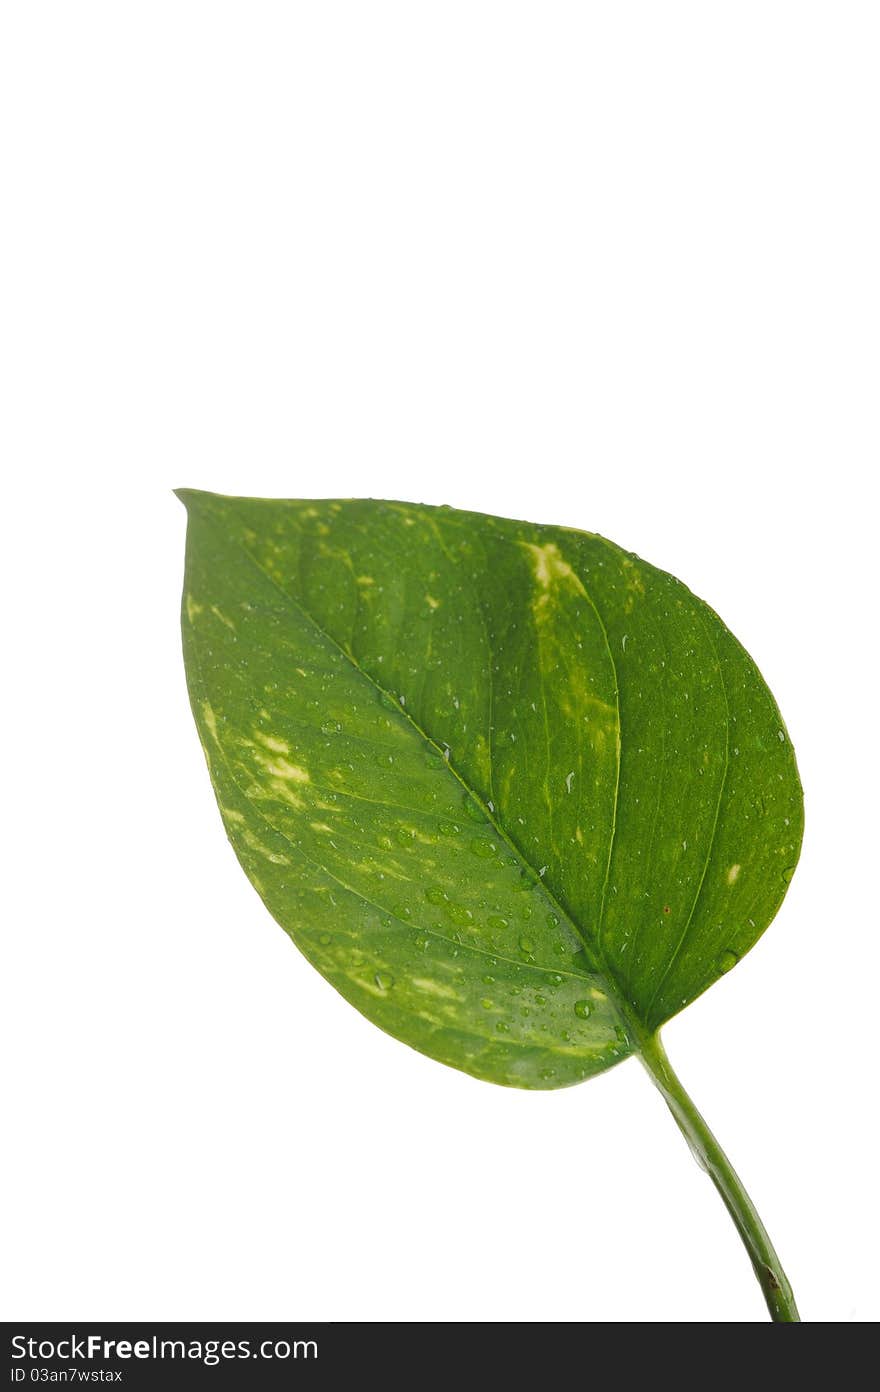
[[516, 793]]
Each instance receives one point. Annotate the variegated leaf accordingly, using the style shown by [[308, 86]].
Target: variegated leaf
[[519, 795]]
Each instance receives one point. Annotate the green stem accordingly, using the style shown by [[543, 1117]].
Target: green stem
[[710, 1157]]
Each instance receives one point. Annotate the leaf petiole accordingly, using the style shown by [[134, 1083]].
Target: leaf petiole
[[710, 1157]]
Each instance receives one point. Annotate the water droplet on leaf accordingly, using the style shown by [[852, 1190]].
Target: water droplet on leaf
[[483, 849], [459, 914]]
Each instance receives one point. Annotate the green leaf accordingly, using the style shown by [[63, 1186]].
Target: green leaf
[[517, 794]]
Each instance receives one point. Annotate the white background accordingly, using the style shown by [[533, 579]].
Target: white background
[[610, 265]]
